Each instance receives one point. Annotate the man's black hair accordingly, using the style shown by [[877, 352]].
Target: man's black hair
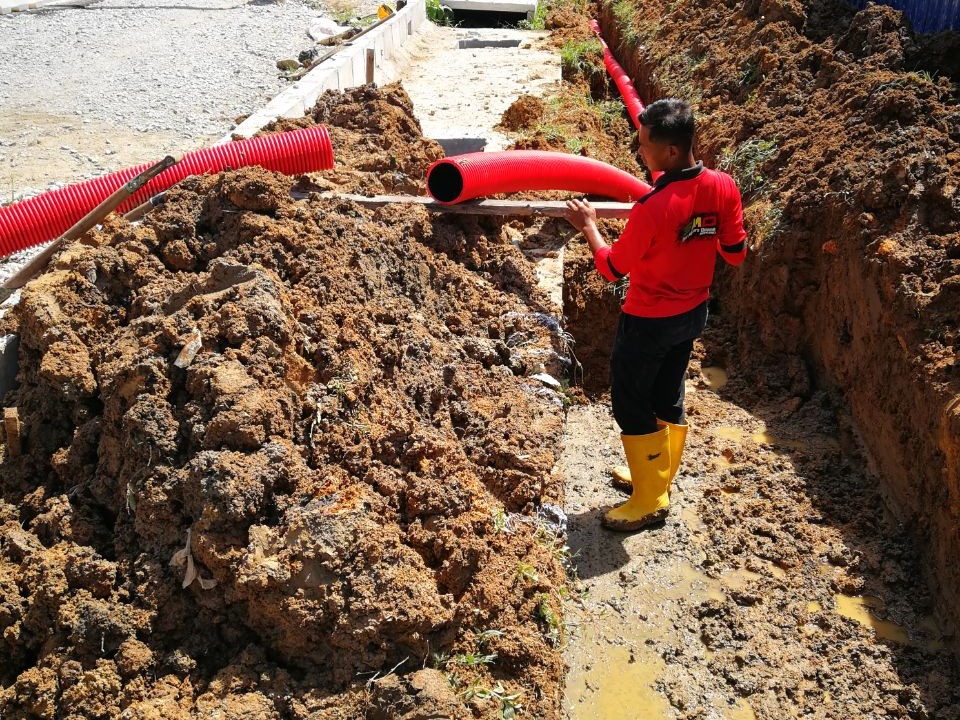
[[670, 121]]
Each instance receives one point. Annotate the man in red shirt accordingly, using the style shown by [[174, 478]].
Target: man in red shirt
[[668, 248]]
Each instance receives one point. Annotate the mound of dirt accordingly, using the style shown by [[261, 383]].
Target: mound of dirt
[[279, 455], [378, 144], [525, 111]]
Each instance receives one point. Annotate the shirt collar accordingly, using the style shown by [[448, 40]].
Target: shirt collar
[[685, 174]]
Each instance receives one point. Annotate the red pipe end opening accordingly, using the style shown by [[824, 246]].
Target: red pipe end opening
[[444, 181]]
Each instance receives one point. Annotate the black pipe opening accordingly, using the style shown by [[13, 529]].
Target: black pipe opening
[[445, 182]]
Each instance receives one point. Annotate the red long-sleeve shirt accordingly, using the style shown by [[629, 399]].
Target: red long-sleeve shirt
[[670, 243]]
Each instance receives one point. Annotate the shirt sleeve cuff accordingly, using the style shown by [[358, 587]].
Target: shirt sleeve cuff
[[601, 259]]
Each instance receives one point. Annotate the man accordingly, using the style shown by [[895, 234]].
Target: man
[[668, 248]]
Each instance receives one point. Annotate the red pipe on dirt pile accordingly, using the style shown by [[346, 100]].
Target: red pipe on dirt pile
[[627, 91], [38, 219], [464, 177]]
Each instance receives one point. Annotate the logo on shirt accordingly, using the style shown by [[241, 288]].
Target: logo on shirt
[[704, 225]]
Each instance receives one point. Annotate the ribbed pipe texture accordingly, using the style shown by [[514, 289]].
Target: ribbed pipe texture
[[38, 219], [623, 82], [464, 177]]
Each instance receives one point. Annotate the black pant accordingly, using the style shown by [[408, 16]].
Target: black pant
[[648, 367]]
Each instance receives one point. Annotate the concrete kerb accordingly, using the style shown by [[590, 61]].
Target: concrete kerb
[[347, 69]]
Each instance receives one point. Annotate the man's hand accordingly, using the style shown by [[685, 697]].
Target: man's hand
[[583, 217], [580, 214]]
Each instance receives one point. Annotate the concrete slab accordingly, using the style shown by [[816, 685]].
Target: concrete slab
[[527, 7], [462, 145]]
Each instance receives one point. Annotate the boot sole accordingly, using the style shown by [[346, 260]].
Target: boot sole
[[654, 518]]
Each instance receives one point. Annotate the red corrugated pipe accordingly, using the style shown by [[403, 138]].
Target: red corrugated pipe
[[463, 177], [631, 98], [36, 220], [627, 91]]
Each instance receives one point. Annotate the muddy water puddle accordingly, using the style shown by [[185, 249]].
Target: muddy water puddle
[[616, 670]]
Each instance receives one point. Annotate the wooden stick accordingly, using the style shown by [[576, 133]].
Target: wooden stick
[[39, 262], [11, 426], [140, 210], [338, 38], [548, 208]]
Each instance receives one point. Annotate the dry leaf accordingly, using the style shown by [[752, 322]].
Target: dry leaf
[[191, 573]]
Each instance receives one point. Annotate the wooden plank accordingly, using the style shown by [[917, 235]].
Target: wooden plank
[[547, 208], [11, 426], [371, 56]]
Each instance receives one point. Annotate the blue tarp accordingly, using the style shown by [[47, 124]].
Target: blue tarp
[[927, 16]]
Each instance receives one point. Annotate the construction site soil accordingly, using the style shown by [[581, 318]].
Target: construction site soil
[[285, 457]]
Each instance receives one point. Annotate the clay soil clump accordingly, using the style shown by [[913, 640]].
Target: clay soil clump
[[283, 457]]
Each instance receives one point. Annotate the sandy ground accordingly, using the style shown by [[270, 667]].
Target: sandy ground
[[92, 90]]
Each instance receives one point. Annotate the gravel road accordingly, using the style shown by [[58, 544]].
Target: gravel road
[[90, 90]]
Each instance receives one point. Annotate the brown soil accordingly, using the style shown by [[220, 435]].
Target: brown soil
[[274, 449], [526, 111]]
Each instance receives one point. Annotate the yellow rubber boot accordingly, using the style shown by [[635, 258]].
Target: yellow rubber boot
[[649, 459], [678, 438]]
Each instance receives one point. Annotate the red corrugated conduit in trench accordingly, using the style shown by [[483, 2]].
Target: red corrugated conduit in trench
[[36, 220], [631, 98], [464, 177], [627, 91]]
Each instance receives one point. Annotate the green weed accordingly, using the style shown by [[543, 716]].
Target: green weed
[[472, 659], [745, 162], [509, 702], [573, 145], [544, 611], [526, 572], [768, 224], [438, 13], [538, 21], [581, 57], [499, 522], [624, 13]]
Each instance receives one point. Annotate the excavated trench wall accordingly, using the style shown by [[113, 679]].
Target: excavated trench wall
[[854, 276]]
